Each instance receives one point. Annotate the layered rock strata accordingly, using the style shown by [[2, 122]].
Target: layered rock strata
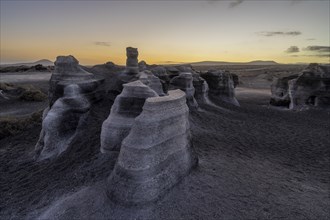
[[127, 106], [156, 154], [68, 71], [185, 82], [62, 123]]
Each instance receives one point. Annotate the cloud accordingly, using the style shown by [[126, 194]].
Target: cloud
[[292, 49], [102, 43], [279, 33], [235, 3], [319, 49], [232, 3]]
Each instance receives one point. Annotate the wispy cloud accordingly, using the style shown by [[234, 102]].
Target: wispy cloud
[[102, 43], [278, 33], [234, 4], [292, 49], [319, 49]]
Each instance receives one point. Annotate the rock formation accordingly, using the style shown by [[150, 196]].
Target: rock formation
[[62, 123], [142, 65], [161, 73], [311, 88], [221, 85], [201, 90], [280, 91], [127, 106], [67, 71], [131, 72], [156, 154], [152, 81], [185, 82]]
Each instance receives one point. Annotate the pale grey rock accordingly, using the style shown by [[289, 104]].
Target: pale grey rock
[[221, 85], [127, 106], [161, 73], [201, 90], [62, 123], [311, 88], [152, 81], [156, 154], [185, 82], [68, 71]]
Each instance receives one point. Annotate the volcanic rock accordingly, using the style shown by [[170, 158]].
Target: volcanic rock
[[280, 91], [311, 88], [156, 154], [67, 71], [62, 123], [185, 82], [152, 81], [221, 85], [127, 106]]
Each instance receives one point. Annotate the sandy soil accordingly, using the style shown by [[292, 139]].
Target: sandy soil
[[255, 162]]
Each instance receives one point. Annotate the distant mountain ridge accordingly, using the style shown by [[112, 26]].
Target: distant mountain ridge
[[255, 62], [43, 62]]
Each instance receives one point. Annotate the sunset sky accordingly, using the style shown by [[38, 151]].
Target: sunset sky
[[166, 31]]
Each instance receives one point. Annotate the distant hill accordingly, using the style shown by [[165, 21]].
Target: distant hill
[[215, 63], [43, 62]]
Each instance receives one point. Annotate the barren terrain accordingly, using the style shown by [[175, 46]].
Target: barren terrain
[[255, 162]]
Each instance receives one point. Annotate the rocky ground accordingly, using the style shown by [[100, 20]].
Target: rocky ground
[[255, 162]]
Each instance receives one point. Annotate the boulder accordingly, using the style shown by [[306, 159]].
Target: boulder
[[62, 123], [156, 154], [68, 71], [185, 82], [221, 85], [127, 106]]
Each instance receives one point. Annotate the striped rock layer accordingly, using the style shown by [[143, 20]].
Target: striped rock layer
[[185, 82], [68, 71], [156, 154], [127, 106]]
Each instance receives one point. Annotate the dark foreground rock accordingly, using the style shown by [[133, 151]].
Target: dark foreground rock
[[221, 85], [309, 89]]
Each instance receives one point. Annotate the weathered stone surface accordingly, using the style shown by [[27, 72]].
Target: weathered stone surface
[[221, 85], [67, 71], [142, 65], [280, 91], [201, 90], [127, 106], [161, 73], [156, 154], [152, 81], [185, 82], [62, 123], [311, 88], [131, 72]]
